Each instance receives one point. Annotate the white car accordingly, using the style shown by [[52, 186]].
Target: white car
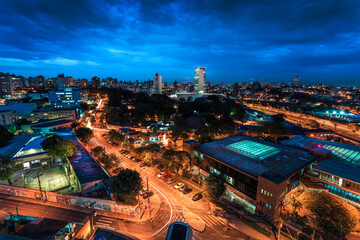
[[160, 174]]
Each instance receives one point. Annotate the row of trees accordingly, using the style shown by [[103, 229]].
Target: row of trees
[[109, 160]]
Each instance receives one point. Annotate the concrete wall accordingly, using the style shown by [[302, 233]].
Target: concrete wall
[[99, 204]]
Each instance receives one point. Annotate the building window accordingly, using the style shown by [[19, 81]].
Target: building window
[[269, 207], [262, 190], [265, 192], [266, 205]]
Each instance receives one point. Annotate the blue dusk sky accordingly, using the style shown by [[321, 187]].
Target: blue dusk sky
[[241, 40]]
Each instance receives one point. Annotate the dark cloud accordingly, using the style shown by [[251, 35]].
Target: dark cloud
[[235, 40]]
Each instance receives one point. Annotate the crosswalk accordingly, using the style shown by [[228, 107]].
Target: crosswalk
[[104, 221], [212, 220]]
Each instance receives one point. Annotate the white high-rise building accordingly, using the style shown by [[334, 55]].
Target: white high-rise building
[[200, 79], [157, 84], [297, 80]]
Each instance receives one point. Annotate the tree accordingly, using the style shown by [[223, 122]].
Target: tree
[[116, 137], [63, 149], [75, 124], [51, 141], [5, 136], [215, 187], [278, 118], [84, 134], [126, 185], [7, 167], [97, 151], [332, 215], [296, 204], [22, 121], [84, 106]]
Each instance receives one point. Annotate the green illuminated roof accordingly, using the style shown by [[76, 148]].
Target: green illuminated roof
[[253, 149]]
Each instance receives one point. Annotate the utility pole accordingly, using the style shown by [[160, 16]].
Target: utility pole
[[147, 187], [92, 213], [38, 175]]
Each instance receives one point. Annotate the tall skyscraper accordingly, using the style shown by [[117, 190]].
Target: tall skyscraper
[[199, 79], [157, 85], [297, 80]]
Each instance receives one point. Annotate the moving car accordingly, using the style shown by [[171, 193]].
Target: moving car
[[160, 174], [169, 181], [197, 197], [178, 185], [165, 176]]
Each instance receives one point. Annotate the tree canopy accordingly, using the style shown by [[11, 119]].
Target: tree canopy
[[58, 147], [51, 141], [84, 134], [215, 187], [5, 136], [144, 107], [7, 167], [126, 185], [332, 215]]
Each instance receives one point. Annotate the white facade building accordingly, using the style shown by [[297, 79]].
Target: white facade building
[[157, 84], [200, 79]]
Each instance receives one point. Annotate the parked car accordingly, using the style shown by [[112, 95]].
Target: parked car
[[148, 194], [183, 188], [178, 185], [117, 170], [197, 197], [160, 174], [165, 176], [169, 181], [187, 191], [137, 160], [142, 165]]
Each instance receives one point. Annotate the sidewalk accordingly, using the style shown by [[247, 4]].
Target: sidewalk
[[246, 224], [145, 214]]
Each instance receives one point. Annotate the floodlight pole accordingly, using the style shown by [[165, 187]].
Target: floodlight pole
[[38, 175]]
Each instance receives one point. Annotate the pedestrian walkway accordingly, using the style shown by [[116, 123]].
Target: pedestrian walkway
[[212, 220], [104, 221]]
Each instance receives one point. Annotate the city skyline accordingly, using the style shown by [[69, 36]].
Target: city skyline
[[235, 41]]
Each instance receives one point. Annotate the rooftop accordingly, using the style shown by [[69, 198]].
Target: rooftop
[[341, 170], [345, 153], [51, 123], [257, 157], [41, 229], [16, 144], [86, 168]]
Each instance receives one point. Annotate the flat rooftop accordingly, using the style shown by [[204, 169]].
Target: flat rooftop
[[258, 157], [86, 168], [41, 229], [345, 153], [16, 144], [51, 123], [338, 169]]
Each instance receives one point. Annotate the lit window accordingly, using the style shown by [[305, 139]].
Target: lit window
[[269, 206], [265, 192], [262, 190], [266, 205]]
